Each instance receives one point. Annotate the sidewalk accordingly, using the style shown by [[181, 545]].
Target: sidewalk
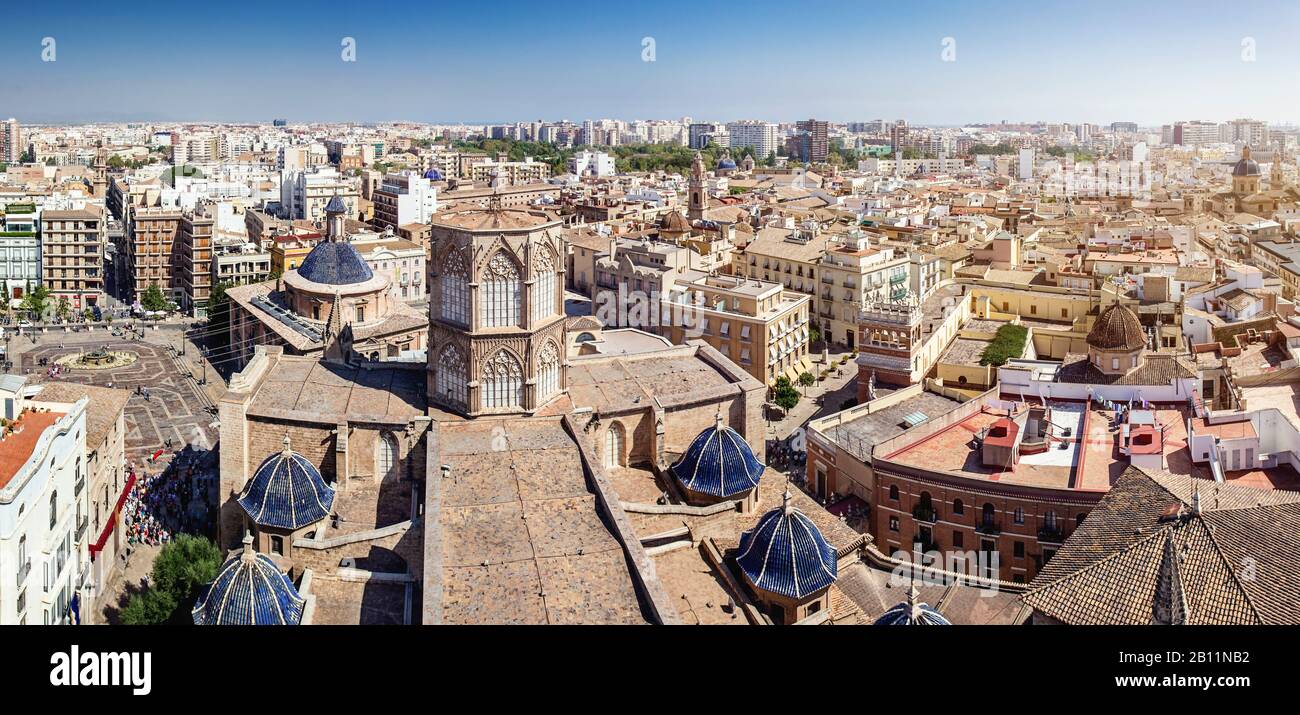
[[833, 391]]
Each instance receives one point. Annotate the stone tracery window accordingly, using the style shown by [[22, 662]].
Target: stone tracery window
[[503, 381], [450, 376], [548, 372], [455, 289], [543, 298], [500, 293]]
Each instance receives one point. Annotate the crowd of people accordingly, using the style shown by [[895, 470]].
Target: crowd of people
[[159, 506]]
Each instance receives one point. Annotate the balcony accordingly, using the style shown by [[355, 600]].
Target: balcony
[[23, 570], [924, 513], [989, 527], [1051, 535], [81, 527], [924, 545], [898, 278], [80, 485]]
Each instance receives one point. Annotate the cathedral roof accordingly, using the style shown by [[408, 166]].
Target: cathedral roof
[[912, 613]]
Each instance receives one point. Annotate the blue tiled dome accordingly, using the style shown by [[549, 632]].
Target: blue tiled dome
[[287, 492], [726, 163], [336, 205], [719, 463], [335, 263], [249, 591], [433, 175], [912, 613], [786, 554]]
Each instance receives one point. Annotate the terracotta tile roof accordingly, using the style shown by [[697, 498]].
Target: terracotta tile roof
[[1143, 556], [16, 448], [1155, 369]]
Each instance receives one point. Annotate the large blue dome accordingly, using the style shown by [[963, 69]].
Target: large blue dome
[[249, 591], [912, 613], [287, 492], [786, 554], [719, 463], [335, 263]]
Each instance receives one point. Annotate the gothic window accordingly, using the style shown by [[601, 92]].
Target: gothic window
[[499, 307], [455, 289], [503, 382], [548, 371], [450, 376], [543, 304], [614, 440], [385, 455]]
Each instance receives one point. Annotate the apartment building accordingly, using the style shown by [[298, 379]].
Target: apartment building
[[304, 194], [484, 170], [404, 198], [401, 260], [11, 141], [20, 250], [72, 255], [289, 249], [194, 260], [42, 516], [762, 137], [756, 324], [107, 481], [152, 235], [787, 255], [853, 273], [240, 263]]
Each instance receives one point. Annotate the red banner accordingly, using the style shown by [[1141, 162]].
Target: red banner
[[112, 518]]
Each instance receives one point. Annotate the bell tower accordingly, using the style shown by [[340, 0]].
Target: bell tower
[[695, 209]]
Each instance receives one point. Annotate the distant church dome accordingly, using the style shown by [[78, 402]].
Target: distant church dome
[[1245, 166], [249, 590], [726, 163], [433, 175], [786, 554], [912, 613], [718, 463], [287, 492], [1117, 328], [674, 222]]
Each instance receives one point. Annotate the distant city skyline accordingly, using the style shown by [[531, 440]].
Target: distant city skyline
[[1016, 61]]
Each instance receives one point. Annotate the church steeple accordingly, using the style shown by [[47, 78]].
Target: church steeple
[[695, 209]]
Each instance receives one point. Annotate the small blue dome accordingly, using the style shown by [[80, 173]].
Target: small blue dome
[[335, 263], [912, 613], [249, 591], [433, 175], [287, 492], [726, 163], [719, 463], [786, 554]]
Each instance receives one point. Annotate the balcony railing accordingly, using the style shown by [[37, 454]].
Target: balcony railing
[[1052, 535], [923, 513], [989, 527]]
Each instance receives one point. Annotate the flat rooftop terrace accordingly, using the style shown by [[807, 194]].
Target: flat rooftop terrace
[[1091, 460]]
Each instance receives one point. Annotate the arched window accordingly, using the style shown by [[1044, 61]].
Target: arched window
[[958, 507], [893, 492], [548, 371], [614, 440], [455, 289], [503, 382], [385, 455], [499, 306], [1078, 519], [543, 298], [988, 515], [54, 509], [585, 338], [450, 377]]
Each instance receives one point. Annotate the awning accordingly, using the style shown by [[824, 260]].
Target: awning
[[112, 518]]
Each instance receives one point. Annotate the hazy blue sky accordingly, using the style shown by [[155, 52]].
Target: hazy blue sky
[[505, 61]]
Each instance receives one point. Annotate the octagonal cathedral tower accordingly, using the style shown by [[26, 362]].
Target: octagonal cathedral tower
[[496, 311]]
